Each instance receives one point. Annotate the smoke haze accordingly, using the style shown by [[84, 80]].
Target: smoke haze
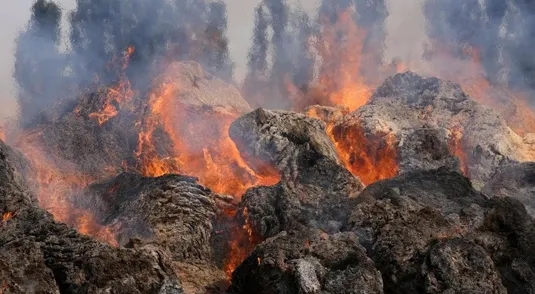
[[240, 22], [502, 23]]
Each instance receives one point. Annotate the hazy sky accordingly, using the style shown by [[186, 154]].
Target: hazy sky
[[405, 35]]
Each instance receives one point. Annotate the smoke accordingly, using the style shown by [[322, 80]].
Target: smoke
[[502, 32], [280, 56], [406, 35], [294, 51], [99, 33]]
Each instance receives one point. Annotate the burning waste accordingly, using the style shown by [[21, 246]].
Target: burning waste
[[137, 165]]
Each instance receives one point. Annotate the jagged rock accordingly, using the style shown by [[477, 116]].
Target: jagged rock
[[172, 212], [507, 234], [426, 149], [315, 188], [307, 262], [78, 146], [13, 171], [23, 269], [460, 266], [49, 257], [441, 189], [515, 181], [399, 221], [282, 138], [407, 103], [157, 210], [292, 206]]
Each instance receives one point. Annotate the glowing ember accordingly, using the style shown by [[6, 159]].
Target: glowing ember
[[7, 216]]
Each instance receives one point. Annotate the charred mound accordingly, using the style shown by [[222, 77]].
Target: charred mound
[[427, 229], [515, 181], [40, 255], [314, 190], [425, 232], [171, 212], [308, 262]]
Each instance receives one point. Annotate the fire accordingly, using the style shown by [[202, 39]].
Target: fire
[[55, 183], [469, 73], [2, 134], [371, 159], [115, 96], [456, 147], [241, 244], [201, 145], [340, 70]]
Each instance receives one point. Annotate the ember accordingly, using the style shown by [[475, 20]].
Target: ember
[[7, 216]]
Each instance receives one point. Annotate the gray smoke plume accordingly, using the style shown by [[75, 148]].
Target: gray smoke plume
[[502, 30], [101, 30], [282, 52], [292, 59]]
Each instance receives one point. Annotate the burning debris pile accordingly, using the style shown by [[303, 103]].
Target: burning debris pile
[[137, 167], [318, 229]]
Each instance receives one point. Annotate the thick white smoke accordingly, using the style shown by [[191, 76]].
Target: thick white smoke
[[406, 36]]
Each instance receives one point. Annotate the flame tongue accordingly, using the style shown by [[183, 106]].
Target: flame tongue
[[56, 183], [340, 72], [121, 94], [201, 145]]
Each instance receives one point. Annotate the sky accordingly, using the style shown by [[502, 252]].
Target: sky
[[405, 34]]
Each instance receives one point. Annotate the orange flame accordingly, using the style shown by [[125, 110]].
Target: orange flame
[[201, 146], [340, 70], [56, 182], [371, 159], [339, 49], [241, 244], [456, 147], [118, 95]]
